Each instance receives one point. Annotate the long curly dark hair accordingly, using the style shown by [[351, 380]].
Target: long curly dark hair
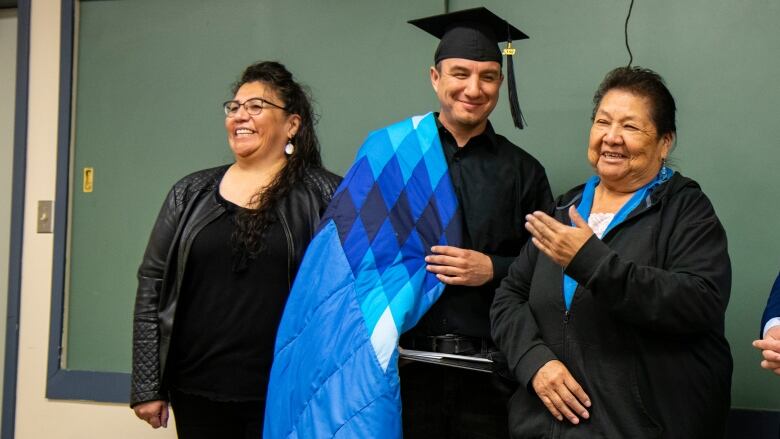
[[251, 224]]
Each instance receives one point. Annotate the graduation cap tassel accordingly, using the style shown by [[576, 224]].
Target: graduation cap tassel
[[514, 106]]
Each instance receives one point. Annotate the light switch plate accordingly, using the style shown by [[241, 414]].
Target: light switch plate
[[45, 223]]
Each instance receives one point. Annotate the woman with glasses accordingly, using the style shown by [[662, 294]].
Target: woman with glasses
[[220, 262]]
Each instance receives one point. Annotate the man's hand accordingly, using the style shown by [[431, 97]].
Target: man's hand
[[458, 266], [153, 412], [558, 241], [560, 392], [770, 349]]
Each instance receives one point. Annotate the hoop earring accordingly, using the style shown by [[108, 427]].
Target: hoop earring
[[289, 149]]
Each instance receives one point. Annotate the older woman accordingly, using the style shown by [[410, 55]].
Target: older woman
[[612, 319], [220, 261]]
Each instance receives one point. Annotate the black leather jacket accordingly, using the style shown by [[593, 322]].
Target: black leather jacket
[[190, 206]]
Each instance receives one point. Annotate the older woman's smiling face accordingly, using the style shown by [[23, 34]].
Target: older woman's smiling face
[[624, 148]]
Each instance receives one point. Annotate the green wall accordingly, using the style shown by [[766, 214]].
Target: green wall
[[151, 76]]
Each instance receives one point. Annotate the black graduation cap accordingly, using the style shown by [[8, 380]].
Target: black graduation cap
[[474, 34]]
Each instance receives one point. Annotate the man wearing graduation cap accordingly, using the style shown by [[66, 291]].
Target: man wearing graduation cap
[[497, 184]]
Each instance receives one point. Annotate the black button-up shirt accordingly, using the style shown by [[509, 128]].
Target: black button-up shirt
[[497, 184]]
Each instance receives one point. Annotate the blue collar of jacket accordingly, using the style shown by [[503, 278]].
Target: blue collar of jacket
[[675, 183]]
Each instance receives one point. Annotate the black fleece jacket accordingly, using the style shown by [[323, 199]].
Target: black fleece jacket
[[644, 335]]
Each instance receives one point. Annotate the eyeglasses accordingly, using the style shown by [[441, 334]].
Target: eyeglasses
[[253, 106]]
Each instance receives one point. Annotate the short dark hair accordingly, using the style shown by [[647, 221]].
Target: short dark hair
[[647, 84]]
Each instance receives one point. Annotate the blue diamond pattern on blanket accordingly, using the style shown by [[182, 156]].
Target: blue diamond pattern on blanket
[[361, 284], [402, 222], [374, 212], [394, 182]]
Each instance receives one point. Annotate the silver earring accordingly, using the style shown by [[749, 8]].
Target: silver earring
[[289, 149]]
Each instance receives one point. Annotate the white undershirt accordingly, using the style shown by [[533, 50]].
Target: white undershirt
[[599, 222], [771, 324]]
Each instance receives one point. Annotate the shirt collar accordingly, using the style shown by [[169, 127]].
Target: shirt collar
[[488, 134]]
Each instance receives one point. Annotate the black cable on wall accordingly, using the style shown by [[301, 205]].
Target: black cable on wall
[[625, 33]]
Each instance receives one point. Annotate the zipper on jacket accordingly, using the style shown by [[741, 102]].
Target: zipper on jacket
[[290, 247], [566, 317]]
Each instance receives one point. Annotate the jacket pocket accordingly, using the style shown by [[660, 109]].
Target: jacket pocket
[[609, 377], [528, 417]]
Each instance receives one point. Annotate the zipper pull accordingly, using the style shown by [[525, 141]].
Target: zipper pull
[[566, 316]]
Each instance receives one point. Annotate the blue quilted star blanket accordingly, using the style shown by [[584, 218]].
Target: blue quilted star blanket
[[361, 284]]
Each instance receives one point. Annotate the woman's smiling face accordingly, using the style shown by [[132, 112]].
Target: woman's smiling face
[[260, 135], [624, 147]]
